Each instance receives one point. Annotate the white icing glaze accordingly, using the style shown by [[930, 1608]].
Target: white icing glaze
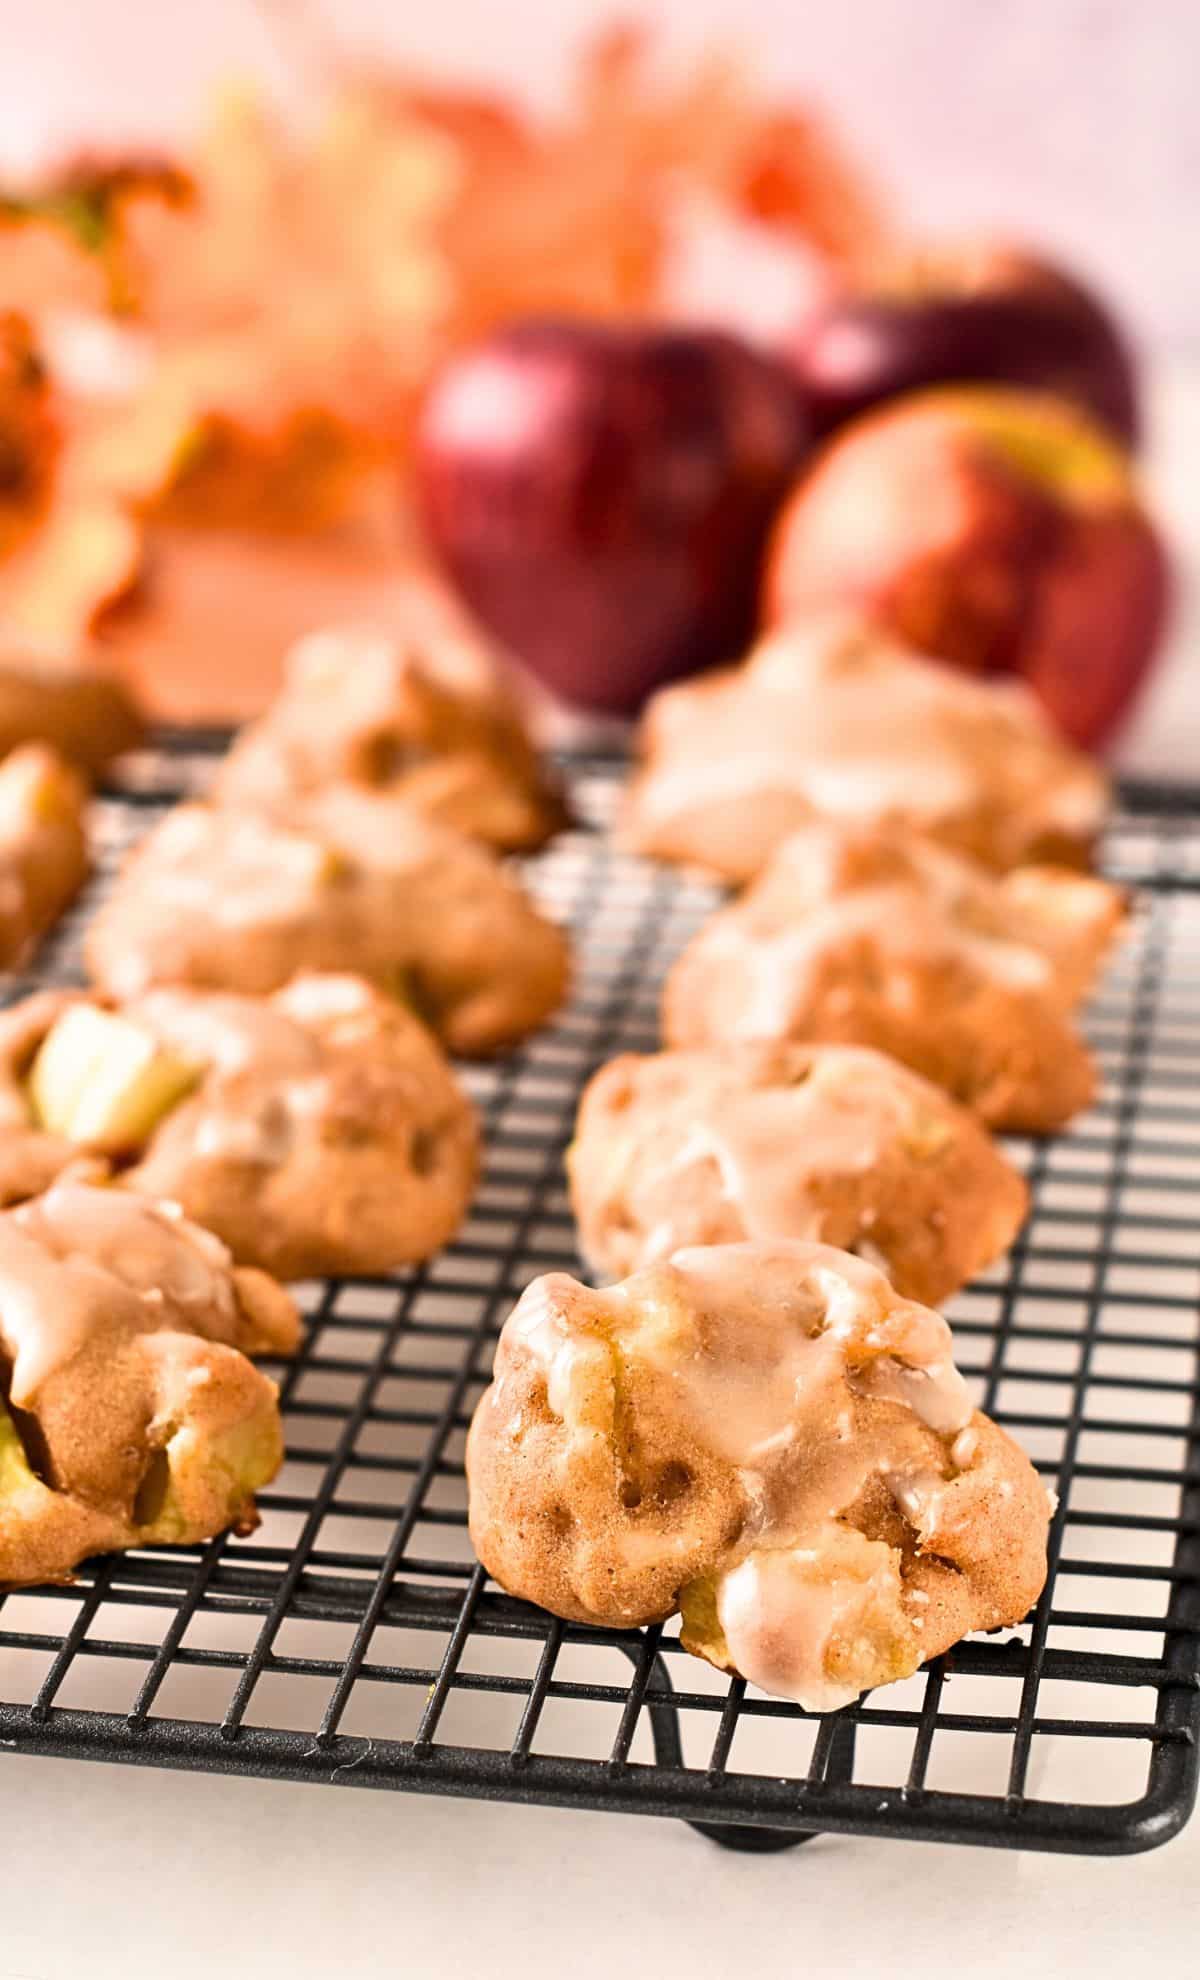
[[264, 1138], [757, 1352], [920, 1493], [141, 1243], [317, 998], [942, 911], [278, 1040], [757, 1134], [228, 1031], [846, 722], [780, 1609], [45, 1310], [577, 1365], [964, 1448], [267, 871], [936, 1392], [59, 1254], [756, 775], [361, 668], [765, 1141]]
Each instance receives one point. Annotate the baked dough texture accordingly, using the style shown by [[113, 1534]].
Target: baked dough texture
[[778, 1140], [831, 717], [230, 899], [767, 1438], [325, 1132], [867, 936], [368, 708], [131, 1415], [82, 711], [43, 847]]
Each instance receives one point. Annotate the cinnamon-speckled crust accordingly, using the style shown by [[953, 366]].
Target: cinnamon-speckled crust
[[831, 717], [766, 1437], [873, 937], [131, 1414], [367, 709], [84, 713], [779, 1140], [226, 899], [43, 847], [326, 1134]]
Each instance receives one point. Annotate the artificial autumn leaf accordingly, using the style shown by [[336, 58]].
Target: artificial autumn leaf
[[44, 267], [299, 287], [68, 551], [30, 435], [777, 164], [82, 560], [63, 242]]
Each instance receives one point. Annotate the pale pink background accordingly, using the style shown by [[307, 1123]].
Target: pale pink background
[[1074, 117], [1072, 121]]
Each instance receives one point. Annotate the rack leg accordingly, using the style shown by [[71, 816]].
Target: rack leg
[[744, 1836]]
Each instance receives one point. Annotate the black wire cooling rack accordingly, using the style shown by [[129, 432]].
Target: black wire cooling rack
[[353, 1638]]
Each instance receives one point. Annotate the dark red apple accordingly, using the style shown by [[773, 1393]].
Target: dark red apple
[[601, 495], [999, 529], [984, 314]]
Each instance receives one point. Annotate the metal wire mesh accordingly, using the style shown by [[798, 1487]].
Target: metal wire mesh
[[353, 1638]]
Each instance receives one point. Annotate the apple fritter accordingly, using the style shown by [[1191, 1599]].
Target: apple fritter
[[779, 1140], [373, 710], [131, 1415], [228, 899], [318, 1130], [832, 717], [768, 1439], [43, 847], [874, 936]]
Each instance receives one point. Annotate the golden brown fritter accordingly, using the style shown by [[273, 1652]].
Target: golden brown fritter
[[131, 1415], [321, 1129], [83, 712], [833, 718], [226, 899], [779, 1140], [371, 709], [867, 936], [43, 847], [767, 1438]]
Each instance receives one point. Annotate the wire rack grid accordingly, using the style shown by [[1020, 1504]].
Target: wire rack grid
[[354, 1639]]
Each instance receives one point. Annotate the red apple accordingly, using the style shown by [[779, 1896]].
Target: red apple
[[978, 314], [601, 496], [999, 529]]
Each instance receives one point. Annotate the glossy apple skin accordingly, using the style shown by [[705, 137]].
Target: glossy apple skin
[[601, 496], [993, 528], [1014, 320]]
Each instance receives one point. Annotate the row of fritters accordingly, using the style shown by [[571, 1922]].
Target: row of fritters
[[264, 1112], [755, 1429], [61, 723], [278, 971], [248, 1094], [313, 1125], [766, 1436]]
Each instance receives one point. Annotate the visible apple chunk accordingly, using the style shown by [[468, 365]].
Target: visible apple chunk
[[104, 1082]]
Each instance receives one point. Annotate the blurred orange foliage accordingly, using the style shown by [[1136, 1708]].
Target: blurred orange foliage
[[284, 295]]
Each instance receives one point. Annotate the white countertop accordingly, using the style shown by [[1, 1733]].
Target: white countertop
[[1163, 738], [114, 1873]]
